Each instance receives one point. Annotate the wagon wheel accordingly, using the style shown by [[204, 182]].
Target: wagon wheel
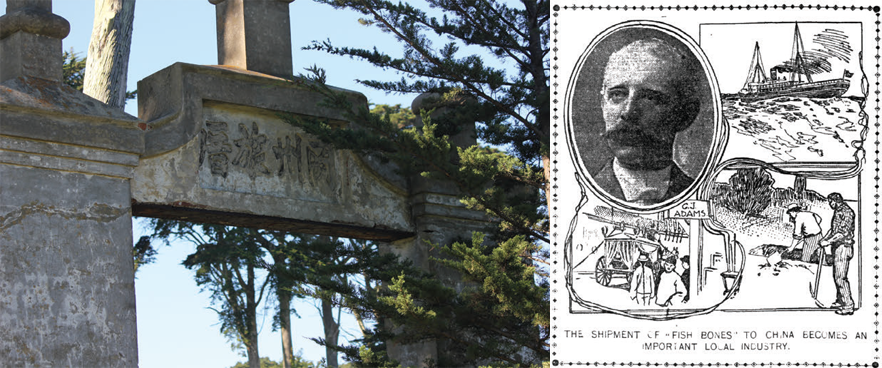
[[601, 274]]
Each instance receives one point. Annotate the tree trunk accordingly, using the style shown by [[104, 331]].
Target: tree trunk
[[541, 89], [251, 312], [284, 296], [107, 63], [799, 184], [369, 291], [285, 329], [332, 331]]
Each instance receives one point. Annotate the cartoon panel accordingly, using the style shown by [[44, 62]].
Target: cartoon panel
[[711, 186]]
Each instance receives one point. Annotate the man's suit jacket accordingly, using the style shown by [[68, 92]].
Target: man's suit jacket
[[606, 180]]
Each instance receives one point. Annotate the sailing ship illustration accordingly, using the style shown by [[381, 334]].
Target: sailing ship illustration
[[792, 80]]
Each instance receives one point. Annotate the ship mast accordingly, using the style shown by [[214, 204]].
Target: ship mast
[[796, 57], [757, 72]]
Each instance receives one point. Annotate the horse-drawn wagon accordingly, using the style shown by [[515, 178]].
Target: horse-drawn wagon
[[620, 253]]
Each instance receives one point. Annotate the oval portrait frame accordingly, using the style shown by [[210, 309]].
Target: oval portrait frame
[[583, 121]]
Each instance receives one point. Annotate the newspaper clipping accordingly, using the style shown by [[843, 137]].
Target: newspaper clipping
[[715, 184]]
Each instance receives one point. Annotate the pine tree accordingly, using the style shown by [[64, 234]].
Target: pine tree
[[287, 276], [73, 69], [225, 264], [502, 315]]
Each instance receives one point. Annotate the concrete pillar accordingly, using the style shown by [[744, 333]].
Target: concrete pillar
[[30, 40], [255, 35], [466, 136], [66, 269], [441, 219]]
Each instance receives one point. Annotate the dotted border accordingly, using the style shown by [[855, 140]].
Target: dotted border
[[555, 195], [647, 364], [874, 9]]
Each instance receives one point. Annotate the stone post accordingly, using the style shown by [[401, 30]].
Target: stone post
[[439, 218], [66, 269], [255, 35], [30, 40]]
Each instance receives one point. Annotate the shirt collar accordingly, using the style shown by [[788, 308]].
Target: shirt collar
[[643, 187]]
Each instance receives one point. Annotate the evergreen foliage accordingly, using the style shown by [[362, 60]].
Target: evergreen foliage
[[400, 116], [143, 252], [750, 191], [513, 107], [500, 314], [298, 362], [225, 265], [73, 69]]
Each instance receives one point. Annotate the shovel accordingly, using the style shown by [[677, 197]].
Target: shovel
[[814, 290]]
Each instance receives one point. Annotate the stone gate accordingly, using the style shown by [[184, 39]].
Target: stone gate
[[209, 145]]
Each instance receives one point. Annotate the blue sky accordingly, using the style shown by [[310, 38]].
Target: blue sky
[[175, 327]]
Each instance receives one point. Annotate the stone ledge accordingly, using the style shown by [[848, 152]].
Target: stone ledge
[[67, 151], [63, 157], [42, 95], [182, 211], [171, 100], [42, 110], [65, 164]]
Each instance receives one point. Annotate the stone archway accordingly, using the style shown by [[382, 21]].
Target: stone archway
[[208, 146]]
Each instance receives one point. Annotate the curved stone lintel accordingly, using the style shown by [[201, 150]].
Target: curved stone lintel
[[218, 149], [171, 100]]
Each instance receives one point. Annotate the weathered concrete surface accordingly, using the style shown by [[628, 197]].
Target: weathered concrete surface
[[30, 40], [66, 275], [255, 35], [67, 293], [440, 219], [219, 151], [43, 109]]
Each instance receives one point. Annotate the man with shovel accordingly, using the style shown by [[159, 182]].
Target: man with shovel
[[841, 238], [806, 230]]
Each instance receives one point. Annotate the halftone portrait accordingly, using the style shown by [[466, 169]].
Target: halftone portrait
[[642, 110]]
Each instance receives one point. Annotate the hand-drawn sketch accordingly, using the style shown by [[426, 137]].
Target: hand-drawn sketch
[[636, 92], [718, 214], [800, 67], [650, 90], [782, 227], [807, 107]]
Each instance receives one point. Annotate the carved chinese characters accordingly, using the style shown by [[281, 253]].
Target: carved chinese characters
[[260, 156], [216, 147], [251, 156], [288, 155], [319, 159]]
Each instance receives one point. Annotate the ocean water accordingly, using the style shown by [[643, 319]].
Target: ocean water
[[788, 129]]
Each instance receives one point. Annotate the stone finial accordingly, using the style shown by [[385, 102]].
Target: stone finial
[[255, 35], [30, 40]]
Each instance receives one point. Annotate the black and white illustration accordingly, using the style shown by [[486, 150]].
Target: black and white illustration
[[642, 114], [799, 94], [713, 191]]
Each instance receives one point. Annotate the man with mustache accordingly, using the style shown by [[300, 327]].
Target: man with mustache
[[648, 96]]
